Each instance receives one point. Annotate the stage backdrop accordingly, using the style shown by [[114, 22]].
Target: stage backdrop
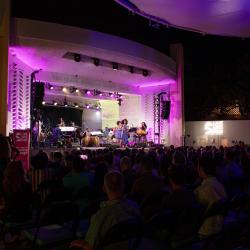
[[51, 115]]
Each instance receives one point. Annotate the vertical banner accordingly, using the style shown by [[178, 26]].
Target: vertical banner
[[21, 140]]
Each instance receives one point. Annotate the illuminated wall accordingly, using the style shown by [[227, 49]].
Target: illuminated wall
[[19, 94], [110, 113], [131, 110], [226, 133]]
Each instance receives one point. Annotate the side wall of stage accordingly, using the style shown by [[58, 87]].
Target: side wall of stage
[[18, 94]]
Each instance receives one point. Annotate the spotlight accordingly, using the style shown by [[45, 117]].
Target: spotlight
[[145, 72], [77, 90], [115, 66], [55, 103], [51, 87], [76, 105], [43, 102], [111, 95], [131, 69], [96, 61], [97, 113], [100, 94], [64, 89], [87, 107], [88, 92], [77, 57]]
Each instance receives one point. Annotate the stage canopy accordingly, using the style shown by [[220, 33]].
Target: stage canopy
[[218, 17]]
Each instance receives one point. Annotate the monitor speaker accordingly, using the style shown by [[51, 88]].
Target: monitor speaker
[[165, 109]]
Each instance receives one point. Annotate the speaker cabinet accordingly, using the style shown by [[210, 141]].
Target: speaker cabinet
[[38, 94], [165, 109]]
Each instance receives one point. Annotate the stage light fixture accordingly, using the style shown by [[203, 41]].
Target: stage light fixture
[[131, 69], [100, 94], [96, 61], [76, 105], [97, 113], [111, 95], [145, 72], [77, 57], [64, 89], [88, 92], [115, 66], [51, 87], [119, 102], [77, 90], [87, 106], [43, 102], [55, 103]]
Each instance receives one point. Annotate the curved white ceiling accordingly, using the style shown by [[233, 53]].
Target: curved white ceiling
[[220, 17]]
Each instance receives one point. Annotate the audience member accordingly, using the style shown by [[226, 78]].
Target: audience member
[[16, 195], [128, 173], [113, 211], [147, 183], [210, 191]]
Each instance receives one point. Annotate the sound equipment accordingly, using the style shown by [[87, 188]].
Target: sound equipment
[[38, 94], [165, 110]]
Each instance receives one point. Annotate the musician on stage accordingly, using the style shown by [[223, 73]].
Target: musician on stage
[[142, 132], [125, 129], [118, 132], [61, 123]]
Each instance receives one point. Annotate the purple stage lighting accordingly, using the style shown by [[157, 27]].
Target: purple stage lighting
[[88, 92]]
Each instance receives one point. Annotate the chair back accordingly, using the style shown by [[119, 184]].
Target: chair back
[[129, 230], [59, 213], [219, 207], [186, 224]]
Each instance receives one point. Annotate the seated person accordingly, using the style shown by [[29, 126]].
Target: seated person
[[179, 198], [16, 194], [113, 211], [142, 132], [147, 183], [78, 178], [210, 191]]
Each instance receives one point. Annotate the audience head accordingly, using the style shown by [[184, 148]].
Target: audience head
[[13, 177], [146, 164], [79, 165], [58, 157], [125, 163], [206, 167], [179, 158], [114, 184], [40, 160], [118, 123], [5, 152], [177, 176]]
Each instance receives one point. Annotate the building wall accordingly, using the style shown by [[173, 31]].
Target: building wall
[[19, 94], [131, 110], [110, 113], [202, 133]]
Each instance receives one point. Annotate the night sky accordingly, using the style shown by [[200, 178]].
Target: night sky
[[217, 69]]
